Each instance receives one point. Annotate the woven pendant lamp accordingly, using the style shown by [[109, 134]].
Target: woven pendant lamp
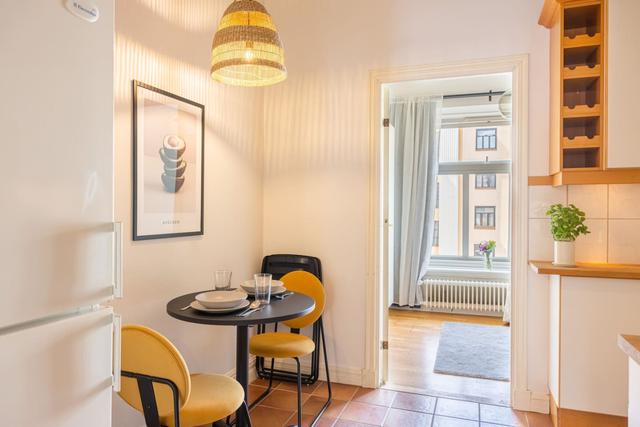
[[246, 47]]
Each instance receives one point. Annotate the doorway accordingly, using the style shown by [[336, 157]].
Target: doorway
[[448, 337], [413, 344]]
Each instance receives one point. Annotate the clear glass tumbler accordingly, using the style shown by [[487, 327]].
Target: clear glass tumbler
[[263, 287], [222, 280]]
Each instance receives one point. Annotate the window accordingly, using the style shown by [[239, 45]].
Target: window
[[486, 180], [485, 217], [466, 180], [486, 139], [436, 233]]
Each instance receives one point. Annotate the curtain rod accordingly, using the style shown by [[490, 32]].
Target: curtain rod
[[490, 94]]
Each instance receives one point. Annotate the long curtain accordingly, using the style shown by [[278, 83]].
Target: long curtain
[[416, 123]]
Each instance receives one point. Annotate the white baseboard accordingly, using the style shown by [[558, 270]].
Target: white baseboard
[[353, 376], [252, 370], [369, 379], [525, 400]]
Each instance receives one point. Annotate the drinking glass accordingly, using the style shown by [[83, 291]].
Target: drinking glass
[[222, 280], [263, 287]]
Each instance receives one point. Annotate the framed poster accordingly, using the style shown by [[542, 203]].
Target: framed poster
[[168, 164]]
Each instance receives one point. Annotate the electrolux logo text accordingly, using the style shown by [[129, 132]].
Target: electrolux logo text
[[83, 9], [92, 12]]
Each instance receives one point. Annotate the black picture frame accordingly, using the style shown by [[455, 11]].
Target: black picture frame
[[138, 215]]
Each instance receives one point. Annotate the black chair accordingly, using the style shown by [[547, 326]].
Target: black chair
[[279, 265]]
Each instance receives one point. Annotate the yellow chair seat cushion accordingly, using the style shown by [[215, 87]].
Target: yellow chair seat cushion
[[281, 345], [212, 398]]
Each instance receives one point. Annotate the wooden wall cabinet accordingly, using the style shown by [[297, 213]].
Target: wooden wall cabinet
[[578, 101], [594, 84]]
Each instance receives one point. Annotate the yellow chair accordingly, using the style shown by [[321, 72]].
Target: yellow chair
[[156, 382], [279, 345]]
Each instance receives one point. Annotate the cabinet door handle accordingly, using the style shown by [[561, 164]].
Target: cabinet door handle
[[118, 290], [117, 353]]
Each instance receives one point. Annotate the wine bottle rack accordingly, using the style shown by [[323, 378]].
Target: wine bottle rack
[[581, 121]]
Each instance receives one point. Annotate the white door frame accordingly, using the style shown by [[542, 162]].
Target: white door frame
[[521, 397]]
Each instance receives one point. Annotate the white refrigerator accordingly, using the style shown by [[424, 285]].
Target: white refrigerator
[[59, 247]]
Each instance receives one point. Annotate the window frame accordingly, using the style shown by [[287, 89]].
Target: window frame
[[476, 249], [489, 214], [436, 233], [487, 187], [490, 147], [465, 169]]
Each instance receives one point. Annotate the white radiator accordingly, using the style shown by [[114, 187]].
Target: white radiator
[[465, 296]]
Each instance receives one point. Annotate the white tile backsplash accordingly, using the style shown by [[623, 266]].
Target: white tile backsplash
[[543, 196], [613, 216], [593, 246], [624, 201], [624, 241], [592, 199], [540, 240]]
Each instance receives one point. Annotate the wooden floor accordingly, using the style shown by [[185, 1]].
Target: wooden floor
[[413, 344]]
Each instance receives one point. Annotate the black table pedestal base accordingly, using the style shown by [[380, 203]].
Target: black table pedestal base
[[242, 370]]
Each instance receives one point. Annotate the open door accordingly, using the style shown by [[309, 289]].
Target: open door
[[388, 169]]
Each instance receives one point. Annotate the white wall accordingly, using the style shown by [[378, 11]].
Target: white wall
[[167, 44], [316, 181]]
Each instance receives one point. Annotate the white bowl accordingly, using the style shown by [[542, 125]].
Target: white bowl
[[221, 299], [250, 286]]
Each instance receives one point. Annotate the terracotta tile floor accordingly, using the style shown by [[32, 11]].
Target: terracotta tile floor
[[360, 407]]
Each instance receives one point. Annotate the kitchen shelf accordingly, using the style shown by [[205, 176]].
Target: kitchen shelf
[[574, 127], [581, 111], [581, 71], [582, 142], [584, 55], [630, 344], [589, 177], [605, 271], [582, 40], [580, 20], [581, 158], [581, 91]]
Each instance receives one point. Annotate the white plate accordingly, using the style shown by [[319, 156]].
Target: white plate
[[275, 290], [221, 299], [199, 307], [249, 286]]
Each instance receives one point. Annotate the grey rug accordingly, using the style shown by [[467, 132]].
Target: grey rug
[[478, 351]]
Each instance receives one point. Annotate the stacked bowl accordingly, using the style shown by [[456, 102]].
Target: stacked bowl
[[171, 154]]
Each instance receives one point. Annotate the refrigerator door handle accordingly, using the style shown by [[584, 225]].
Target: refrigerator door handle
[[117, 352], [118, 291]]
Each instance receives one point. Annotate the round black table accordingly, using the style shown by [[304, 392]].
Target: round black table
[[296, 305]]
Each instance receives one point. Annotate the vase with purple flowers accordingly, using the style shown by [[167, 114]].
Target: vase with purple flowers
[[487, 249]]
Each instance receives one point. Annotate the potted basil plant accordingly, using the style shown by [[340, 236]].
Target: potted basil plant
[[567, 223]]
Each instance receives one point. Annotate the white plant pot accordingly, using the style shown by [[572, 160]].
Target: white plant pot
[[564, 253]]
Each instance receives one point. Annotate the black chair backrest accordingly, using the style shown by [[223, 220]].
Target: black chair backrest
[[280, 264]]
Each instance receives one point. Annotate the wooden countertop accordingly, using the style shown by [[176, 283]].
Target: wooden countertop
[[630, 344], [605, 271]]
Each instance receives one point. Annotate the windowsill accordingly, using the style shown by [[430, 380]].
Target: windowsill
[[469, 269]]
